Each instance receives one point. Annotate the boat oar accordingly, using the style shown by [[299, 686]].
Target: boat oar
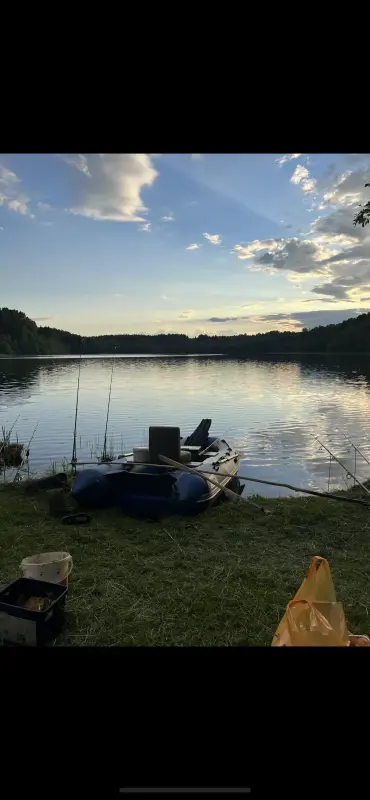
[[235, 498]]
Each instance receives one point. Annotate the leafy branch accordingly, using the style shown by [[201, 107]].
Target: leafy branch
[[362, 217]]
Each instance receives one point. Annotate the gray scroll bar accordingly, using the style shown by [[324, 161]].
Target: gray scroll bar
[[185, 790]]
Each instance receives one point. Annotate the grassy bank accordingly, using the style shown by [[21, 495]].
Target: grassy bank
[[223, 578]]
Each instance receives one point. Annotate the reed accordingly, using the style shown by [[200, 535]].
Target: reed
[[10, 452]]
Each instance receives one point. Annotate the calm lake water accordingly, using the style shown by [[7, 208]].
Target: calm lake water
[[268, 409]]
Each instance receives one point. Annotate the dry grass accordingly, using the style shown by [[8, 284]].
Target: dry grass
[[223, 578]]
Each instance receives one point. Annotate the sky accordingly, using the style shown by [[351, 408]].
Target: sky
[[188, 243]]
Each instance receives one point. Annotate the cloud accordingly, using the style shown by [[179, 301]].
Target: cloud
[[7, 177], [337, 228], [347, 188], [283, 159], [44, 206], [295, 255], [319, 300], [348, 261], [332, 290], [80, 162], [19, 204], [302, 177], [312, 319], [299, 174], [169, 218], [1, 229], [9, 197], [147, 227], [193, 247], [292, 321], [333, 250], [346, 287], [164, 297], [214, 238], [186, 314], [358, 252], [292, 254], [113, 191], [197, 156], [224, 319], [249, 250]]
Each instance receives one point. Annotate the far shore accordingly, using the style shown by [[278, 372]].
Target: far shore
[[247, 356]]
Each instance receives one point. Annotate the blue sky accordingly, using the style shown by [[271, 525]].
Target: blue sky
[[216, 243]]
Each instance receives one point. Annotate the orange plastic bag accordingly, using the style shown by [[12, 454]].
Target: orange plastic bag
[[314, 618]]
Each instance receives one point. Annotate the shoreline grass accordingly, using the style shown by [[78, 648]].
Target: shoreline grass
[[222, 578]]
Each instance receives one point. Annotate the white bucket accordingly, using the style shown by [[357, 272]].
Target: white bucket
[[53, 567]]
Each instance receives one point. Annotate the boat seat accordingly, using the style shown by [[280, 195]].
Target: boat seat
[[165, 441]]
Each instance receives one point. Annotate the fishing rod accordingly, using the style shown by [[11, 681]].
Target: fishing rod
[[353, 445], [74, 451], [171, 462], [29, 443], [25, 460], [104, 456], [341, 464]]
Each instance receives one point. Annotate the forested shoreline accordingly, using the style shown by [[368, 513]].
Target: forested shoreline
[[19, 335]]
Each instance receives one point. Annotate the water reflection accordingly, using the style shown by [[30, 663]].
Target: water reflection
[[268, 408]]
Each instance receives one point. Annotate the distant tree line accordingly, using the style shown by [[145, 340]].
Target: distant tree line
[[19, 335]]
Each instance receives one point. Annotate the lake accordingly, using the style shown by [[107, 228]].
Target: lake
[[268, 409]]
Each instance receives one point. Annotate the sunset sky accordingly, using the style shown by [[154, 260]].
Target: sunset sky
[[192, 243]]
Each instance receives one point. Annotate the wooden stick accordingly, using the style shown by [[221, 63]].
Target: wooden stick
[[271, 483], [236, 498], [306, 491]]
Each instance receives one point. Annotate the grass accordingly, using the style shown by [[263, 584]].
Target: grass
[[223, 578]]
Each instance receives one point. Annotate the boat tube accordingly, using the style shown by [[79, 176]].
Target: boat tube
[[141, 485]]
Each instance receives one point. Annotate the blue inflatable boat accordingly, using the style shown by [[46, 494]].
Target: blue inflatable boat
[[142, 484]]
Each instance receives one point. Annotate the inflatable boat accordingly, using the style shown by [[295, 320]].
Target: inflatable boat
[[143, 483]]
